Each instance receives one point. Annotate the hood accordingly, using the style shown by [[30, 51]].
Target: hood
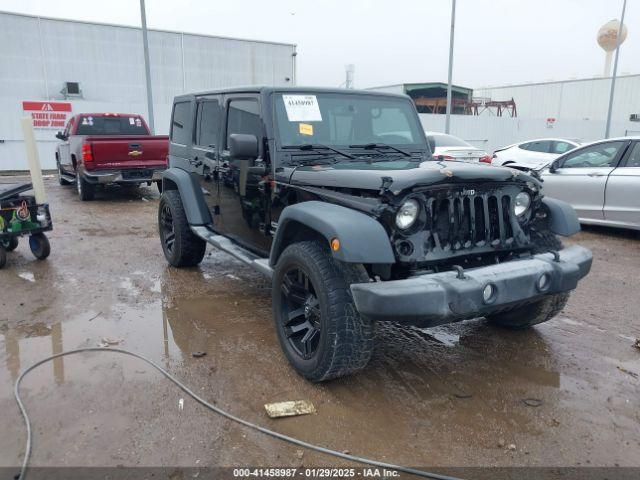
[[406, 176]]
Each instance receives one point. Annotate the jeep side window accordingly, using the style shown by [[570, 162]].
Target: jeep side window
[[208, 123], [180, 123], [244, 117]]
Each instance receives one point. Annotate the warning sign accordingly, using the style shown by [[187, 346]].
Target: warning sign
[[48, 115]]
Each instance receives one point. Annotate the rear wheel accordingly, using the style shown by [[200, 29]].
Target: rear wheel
[[181, 247], [39, 245], [86, 190], [319, 329]]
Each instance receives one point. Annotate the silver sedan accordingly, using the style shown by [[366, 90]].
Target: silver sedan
[[600, 180]]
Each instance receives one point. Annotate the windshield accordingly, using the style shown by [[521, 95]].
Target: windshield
[[449, 141], [346, 119], [90, 125]]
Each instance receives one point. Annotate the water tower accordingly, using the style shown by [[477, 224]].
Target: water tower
[[608, 41]]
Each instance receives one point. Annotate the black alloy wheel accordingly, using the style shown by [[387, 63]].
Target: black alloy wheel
[[301, 313], [168, 233]]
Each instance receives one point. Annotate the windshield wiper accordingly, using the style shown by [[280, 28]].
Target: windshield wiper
[[373, 146], [309, 146]]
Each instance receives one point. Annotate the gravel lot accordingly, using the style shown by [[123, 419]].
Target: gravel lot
[[565, 393]]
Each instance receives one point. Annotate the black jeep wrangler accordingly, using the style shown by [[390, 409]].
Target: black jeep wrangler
[[335, 195]]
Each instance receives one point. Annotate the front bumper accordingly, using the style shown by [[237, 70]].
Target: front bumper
[[438, 298], [129, 175]]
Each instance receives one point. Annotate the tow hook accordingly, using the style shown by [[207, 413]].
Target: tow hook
[[460, 272], [556, 255]]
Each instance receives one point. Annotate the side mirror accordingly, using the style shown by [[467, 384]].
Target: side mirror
[[60, 136], [243, 146], [553, 167]]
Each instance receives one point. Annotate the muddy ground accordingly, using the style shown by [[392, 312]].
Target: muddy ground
[[450, 396]]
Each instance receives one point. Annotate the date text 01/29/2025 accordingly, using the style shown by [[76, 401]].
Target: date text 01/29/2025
[[315, 472]]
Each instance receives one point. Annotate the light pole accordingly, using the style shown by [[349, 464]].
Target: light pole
[[147, 67], [447, 125], [615, 70]]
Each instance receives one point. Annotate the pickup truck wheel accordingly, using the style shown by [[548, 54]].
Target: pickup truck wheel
[[181, 247], [319, 329], [39, 245], [86, 191]]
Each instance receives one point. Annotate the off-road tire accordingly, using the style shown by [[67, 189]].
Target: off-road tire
[[39, 245], [346, 339], [11, 244], [544, 309], [187, 249], [3, 257], [61, 180], [86, 190]]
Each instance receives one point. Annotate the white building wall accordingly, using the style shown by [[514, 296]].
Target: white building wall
[[37, 55], [490, 133], [571, 99]]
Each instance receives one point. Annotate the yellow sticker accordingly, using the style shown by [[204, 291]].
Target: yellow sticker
[[305, 129]]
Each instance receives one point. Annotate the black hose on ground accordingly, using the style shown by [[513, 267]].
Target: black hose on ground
[[202, 401]]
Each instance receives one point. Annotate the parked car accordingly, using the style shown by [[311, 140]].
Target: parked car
[[448, 147], [338, 200], [533, 153], [101, 148], [600, 180]]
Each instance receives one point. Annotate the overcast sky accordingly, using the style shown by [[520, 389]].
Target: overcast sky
[[497, 41]]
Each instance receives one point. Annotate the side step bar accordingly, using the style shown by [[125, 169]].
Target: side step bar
[[226, 245], [68, 178]]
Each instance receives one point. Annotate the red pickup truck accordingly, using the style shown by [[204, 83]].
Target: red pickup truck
[[101, 148]]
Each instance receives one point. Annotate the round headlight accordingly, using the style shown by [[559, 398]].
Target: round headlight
[[407, 214], [523, 201]]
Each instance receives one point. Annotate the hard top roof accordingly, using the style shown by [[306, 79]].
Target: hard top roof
[[261, 89]]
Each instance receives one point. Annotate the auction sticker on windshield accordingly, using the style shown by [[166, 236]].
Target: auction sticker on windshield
[[302, 108]]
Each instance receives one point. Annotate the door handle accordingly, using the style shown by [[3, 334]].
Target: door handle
[[595, 174]]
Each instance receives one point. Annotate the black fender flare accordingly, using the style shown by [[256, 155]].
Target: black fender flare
[[190, 193], [563, 219], [362, 238]]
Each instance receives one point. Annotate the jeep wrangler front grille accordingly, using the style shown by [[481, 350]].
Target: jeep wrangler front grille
[[470, 220]]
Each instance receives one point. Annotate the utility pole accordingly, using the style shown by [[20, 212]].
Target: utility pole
[[615, 70], [350, 71], [147, 67], [447, 125]]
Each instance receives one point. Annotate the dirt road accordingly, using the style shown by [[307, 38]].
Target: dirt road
[[563, 394]]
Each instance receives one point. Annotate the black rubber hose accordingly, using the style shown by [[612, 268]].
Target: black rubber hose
[[202, 401]]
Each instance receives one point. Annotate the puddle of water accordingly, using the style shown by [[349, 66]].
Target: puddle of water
[[443, 335]]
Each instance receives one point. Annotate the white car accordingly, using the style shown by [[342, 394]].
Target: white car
[[448, 147], [533, 153]]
